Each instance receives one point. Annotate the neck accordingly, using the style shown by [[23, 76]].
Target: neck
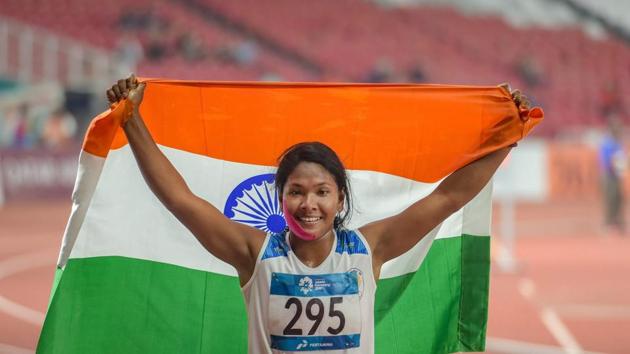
[[312, 253]]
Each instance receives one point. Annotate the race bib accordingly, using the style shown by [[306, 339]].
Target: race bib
[[315, 312]]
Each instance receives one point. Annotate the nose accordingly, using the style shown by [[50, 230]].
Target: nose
[[308, 203]]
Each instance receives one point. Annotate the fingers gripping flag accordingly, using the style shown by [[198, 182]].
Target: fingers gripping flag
[[132, 279]]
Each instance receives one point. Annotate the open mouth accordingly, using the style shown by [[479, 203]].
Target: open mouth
[[309, 220]]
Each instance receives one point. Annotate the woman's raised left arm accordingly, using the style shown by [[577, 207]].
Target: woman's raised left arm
[[395, 235]]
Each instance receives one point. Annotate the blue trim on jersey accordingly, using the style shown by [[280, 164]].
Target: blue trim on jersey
[[310, 343], [276, 247], [314, 285], [348, 241]]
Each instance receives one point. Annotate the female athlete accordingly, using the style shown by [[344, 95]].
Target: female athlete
[[311, 287]]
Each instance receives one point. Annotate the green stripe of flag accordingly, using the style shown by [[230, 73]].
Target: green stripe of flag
[[442, 308], [125, 305]]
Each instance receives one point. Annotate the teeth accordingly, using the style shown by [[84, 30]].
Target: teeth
[[310, 219]]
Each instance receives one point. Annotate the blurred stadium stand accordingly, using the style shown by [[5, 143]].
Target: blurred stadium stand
[[570, 56], [564, 69], [549, 51]]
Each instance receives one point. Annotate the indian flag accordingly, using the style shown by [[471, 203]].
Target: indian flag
[[132, 279]]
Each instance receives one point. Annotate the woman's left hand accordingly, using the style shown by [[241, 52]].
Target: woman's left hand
[[521, 101]]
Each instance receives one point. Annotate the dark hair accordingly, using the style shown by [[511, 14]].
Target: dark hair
[[323, 155]]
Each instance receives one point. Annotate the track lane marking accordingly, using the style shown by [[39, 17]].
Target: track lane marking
[[551, 320], [594, 311], [18, 264], [26, 261], [560, 331], [510, 346], [11, 349], [22, 312]]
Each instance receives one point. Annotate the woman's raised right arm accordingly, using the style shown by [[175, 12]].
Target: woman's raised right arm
[[230, 241]]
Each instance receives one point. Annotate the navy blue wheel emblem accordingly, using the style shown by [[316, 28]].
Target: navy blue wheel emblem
[[255, 202]]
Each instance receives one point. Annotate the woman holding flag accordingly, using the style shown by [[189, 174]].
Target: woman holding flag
[[311, 287]]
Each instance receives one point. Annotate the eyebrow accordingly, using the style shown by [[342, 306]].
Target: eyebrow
[[295, 184]]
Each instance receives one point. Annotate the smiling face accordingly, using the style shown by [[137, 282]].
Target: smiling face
[[312, 197]]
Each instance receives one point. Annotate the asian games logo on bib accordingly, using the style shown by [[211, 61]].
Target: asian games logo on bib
[[306, 285], [255, 202]]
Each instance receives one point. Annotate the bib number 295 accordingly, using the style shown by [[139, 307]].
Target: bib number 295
[[314, 311]]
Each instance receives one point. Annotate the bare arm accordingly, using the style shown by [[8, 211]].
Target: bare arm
[[393, 236], [231, 242]]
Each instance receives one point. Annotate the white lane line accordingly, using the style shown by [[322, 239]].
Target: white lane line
[[10, 349], [510, 346], [551, 320], [560, 331], [27, 261], [18, 264], [22, 312], [527, 288], [594, 311]]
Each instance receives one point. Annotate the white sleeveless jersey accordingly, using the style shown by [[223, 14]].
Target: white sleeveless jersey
[[295, 308]]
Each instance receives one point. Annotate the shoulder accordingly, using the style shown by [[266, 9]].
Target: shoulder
[[351, 242], [275, 245]]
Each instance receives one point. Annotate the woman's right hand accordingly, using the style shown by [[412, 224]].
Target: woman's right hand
[[129, 89], [231, 242]]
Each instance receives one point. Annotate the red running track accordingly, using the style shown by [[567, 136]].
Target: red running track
[[569, 294]]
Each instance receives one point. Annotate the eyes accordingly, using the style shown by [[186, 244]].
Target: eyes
[[322, 192]]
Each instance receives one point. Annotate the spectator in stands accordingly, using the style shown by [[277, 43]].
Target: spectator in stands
[[129, 52], [610, 100], [142, 19], [59, 129], [382, 72], [416, 74], [245, 52], [156, 47], [242, 53], [613, 162], [190, 47], [21, 132], [222, 53], [529, 71], [270, 76], [132, 20]]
